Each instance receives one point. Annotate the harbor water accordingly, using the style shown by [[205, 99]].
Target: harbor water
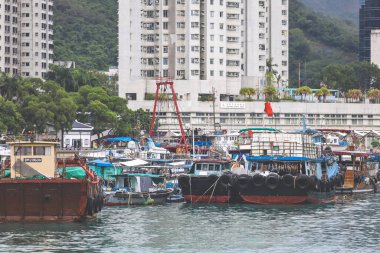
[[345, 227]]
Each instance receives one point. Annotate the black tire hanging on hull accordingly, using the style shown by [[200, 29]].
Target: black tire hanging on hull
[[288, 180], [258, 180], [243, 181], [272, 181], [302, 182]]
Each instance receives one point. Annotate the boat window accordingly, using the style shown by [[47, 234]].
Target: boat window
[[217, 167], [211, 167], [23, 150], [199, 167], [41, 150], [204, 167]]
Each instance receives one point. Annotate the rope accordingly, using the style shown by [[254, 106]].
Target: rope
[[213, 185], [213, 190]]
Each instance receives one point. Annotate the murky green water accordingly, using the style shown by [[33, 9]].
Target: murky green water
[[349, 227]]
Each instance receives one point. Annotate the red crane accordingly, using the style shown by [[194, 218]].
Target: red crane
[[164, 82]]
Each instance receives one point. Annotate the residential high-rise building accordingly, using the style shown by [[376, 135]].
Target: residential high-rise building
[[205, 46], [26, 37], [369, 17]]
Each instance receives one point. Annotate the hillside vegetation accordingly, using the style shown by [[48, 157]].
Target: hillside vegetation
[[342, 9], [316, 41], [86, 32]]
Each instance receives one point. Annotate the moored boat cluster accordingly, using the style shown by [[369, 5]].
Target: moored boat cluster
[[267, 167]]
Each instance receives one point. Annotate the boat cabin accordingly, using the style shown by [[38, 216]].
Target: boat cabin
[[140, 182], [33, 158], [208, 167]]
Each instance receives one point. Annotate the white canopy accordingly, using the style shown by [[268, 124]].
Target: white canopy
[[137, 162]]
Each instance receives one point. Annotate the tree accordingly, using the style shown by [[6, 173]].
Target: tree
[[304, 91], [100, 116], [374, 95], [270, 74], [322, 92], [247, 91], [9, 86], [269, 92], [354, 95], [11, 121]]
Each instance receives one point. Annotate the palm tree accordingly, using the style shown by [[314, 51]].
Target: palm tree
[[354, 94], [269, 92], [374, 95], [247, 91], [270, 73], [304, 91], [322, 92]]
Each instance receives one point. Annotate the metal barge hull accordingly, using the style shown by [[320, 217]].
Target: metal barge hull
[[42, 200]]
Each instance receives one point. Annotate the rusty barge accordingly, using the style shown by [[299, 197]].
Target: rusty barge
[[37, 190]]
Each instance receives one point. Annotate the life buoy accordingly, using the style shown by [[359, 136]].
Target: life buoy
[[287, 180], [184, 181], [224, 131], [243, 181], [225, 180], [258, 180], [272, 180], [302, 182]]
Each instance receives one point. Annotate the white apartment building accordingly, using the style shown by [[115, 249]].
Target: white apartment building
[[206, 46], [26, 37]]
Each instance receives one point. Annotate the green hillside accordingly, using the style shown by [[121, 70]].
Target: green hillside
[[342, 9], [316, 41], [86, 32]]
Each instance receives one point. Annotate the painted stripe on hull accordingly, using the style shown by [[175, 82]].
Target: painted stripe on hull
[[274, 200], [207, 199]]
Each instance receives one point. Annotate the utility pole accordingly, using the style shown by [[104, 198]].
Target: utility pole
[[299, 75], [213, 106]]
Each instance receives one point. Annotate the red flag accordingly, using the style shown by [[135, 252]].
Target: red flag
[[268, 109]]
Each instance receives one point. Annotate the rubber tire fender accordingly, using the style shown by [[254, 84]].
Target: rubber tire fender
[[243, 181], [258, 180], [302, 182], [272, 181], [287, 180]]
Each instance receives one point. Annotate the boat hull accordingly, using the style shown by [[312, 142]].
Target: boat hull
[[43, 200], [133, 198], [315, 197], [205, 189]]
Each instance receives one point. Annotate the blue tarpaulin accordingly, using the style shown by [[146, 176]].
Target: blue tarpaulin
[[203, 143], [101, 163], [121, 139]]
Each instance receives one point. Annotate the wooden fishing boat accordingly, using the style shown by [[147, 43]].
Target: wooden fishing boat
[[36, 191], [140, 185], [361, 172]]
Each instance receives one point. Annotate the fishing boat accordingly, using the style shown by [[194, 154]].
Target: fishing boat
[[287, 168], [209, 181], [360, 170], [37, 190], [139, 185]]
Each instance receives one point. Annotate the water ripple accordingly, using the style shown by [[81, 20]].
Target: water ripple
[[347, 227]]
